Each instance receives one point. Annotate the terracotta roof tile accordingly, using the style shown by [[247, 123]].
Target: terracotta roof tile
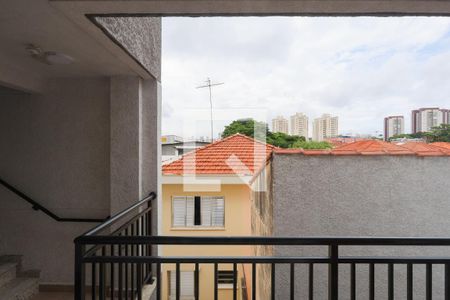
[[443, 145], [241, 155], [371, 147], [376, 147], [423, 149], [236, 154]]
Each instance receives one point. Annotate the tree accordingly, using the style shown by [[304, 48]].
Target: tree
[[247, 127], [417, 135], [283, 140], [312, 145], [260, 131], [439, 133]]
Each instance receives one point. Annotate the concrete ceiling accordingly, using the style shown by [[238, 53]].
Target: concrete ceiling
[[256, 7], [62, 26], [24, 21]]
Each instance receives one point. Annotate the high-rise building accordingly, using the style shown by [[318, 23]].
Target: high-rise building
[[325, 127], [299, 125], [393, 125], [280, 124], [424, 119]]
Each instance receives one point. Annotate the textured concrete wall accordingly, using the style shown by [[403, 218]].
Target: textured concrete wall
[[135, 142], [135, 135], [55, 148], [140, 36], [360, 196]]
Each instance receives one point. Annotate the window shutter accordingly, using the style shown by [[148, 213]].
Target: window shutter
[[179, 212], [206, 208], [218, 212], [212, 211], [186, 285], [190, 211]]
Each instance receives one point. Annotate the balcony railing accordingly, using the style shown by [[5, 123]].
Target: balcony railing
[[118, 264], [131, 223]]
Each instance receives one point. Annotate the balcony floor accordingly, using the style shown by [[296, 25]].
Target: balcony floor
[[53, 296]]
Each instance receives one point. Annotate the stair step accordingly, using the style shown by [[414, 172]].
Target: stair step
[[7, 272], [19, 289]]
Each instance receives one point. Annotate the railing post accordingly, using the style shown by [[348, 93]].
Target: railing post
[[79, 272], [333, 273], [150, 233]]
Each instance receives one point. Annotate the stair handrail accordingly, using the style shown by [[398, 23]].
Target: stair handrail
[[121, 215], [37, 206]]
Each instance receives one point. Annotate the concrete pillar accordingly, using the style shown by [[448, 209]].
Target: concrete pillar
[[135, 136]]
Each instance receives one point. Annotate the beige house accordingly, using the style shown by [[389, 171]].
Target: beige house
[[208, 193]]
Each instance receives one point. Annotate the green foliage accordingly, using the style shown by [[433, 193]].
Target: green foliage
[[247, 127], [261, 132], [440, 133], [418, 135], [312, 145], [283, 140]]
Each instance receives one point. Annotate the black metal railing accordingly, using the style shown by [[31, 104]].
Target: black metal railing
[[112, 280], [37, 206], [334, 262]]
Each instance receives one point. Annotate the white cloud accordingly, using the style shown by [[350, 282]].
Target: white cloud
[[360, 69]]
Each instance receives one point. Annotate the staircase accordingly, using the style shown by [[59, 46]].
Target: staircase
[[16, 284]]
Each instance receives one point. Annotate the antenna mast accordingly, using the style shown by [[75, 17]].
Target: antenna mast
[[209, 85]]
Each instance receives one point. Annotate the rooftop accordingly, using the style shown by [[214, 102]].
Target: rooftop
[[236, 154], [377, 147], [242, 155], [442, 145]]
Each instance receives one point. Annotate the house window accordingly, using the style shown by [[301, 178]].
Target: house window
[[186, 285], [225, 278], [203, 211]]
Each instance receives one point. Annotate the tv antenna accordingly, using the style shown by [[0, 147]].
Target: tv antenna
[[208, 85]]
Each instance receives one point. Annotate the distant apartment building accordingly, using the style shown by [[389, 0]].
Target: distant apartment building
[[424, 119], [299, 125], [280, 124], [325, 127], [393, 125]]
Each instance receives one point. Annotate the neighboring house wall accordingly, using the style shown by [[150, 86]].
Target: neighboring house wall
[[180, 148], [237, 223], [262, 225], [359, 196]]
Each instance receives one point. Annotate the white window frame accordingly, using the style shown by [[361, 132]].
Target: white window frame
[[172, 285], [192, 226]]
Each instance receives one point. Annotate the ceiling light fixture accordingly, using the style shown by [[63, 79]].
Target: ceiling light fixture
[[48, 57]]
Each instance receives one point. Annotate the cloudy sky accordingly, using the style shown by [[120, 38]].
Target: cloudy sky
[[360, 69]]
